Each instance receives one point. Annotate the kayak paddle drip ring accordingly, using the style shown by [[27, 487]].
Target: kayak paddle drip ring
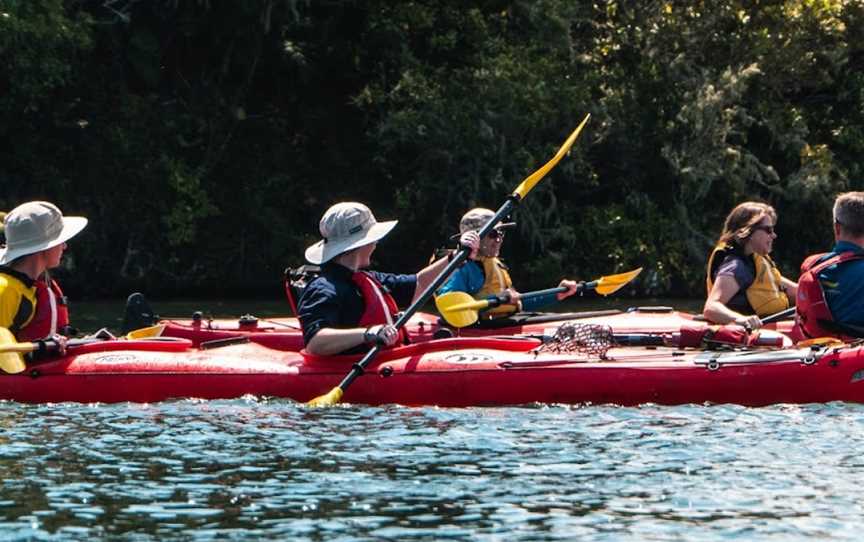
[[575, 337]]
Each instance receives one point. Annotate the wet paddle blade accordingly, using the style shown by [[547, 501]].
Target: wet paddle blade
[[612, 283], [11, 362], [328, 399], [458, 308]]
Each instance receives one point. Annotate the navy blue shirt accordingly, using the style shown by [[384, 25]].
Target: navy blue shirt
[[843, 285], [333, 300]]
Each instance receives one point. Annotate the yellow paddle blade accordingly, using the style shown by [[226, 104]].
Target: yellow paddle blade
[[458, 308], [530, 181], [612, 283], [11, 361], [146, 332], [328, 399]]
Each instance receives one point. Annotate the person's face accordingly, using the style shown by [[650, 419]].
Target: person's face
[[364, 255], [761, 239], [53, 255], [490, 244]]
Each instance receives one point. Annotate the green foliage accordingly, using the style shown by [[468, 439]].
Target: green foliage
[[204, 139], [39, 44]]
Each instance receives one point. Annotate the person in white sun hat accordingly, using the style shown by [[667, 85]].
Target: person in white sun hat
[[32, 306], [347, 309]]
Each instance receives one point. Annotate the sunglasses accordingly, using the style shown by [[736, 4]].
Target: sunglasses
[[767, 229], [495, 235]]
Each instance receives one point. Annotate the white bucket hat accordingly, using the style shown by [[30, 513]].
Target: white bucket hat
[[346, 226], [36, 226], [476, 218]]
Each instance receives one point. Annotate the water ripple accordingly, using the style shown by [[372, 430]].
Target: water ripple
[[244, 469]]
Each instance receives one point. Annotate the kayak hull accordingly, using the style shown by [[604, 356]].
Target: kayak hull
[[448, 373]]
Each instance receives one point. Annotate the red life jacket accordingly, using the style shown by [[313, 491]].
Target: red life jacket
[[52, 312], [811, 307], [380, 308]]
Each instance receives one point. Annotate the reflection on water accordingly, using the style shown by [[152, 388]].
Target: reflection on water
[[257, 469]]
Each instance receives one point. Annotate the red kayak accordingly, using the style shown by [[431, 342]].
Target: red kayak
[[284, 333], [456, 372]]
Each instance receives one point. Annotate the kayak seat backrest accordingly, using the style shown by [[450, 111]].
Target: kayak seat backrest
[[297, 278]]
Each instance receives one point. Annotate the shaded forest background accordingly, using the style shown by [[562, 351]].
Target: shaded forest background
[[205, 138]]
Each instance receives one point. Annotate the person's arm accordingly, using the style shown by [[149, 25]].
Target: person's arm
[[537, 302], [318, 313], [715, 310], [329, 341], [791, 289], [427, 275], [456, 281]]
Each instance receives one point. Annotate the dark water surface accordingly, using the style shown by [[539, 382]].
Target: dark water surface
[[259, 469]]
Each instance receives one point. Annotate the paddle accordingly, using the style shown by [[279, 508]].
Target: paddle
[[459, 309], [11, 351], [11, 360], [773, 317], [778, 315], [335, 395]]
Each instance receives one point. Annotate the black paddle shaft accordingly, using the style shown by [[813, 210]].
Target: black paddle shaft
[[461, 255], [779, 315]]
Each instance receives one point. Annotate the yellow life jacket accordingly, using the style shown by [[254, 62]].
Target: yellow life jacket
[[766, 294], [17, 299], [497, 280]]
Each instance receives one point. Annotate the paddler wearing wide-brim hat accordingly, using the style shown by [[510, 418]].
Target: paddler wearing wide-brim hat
[[349, 308], [486, 276], [31, 304]]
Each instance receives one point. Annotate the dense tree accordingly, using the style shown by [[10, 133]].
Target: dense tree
[[204, 138]]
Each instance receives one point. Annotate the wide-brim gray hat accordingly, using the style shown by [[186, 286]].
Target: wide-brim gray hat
[[36, 226], [476, 218], [346, 226]]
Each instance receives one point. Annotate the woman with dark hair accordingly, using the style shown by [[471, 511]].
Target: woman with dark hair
[[743, 282]]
